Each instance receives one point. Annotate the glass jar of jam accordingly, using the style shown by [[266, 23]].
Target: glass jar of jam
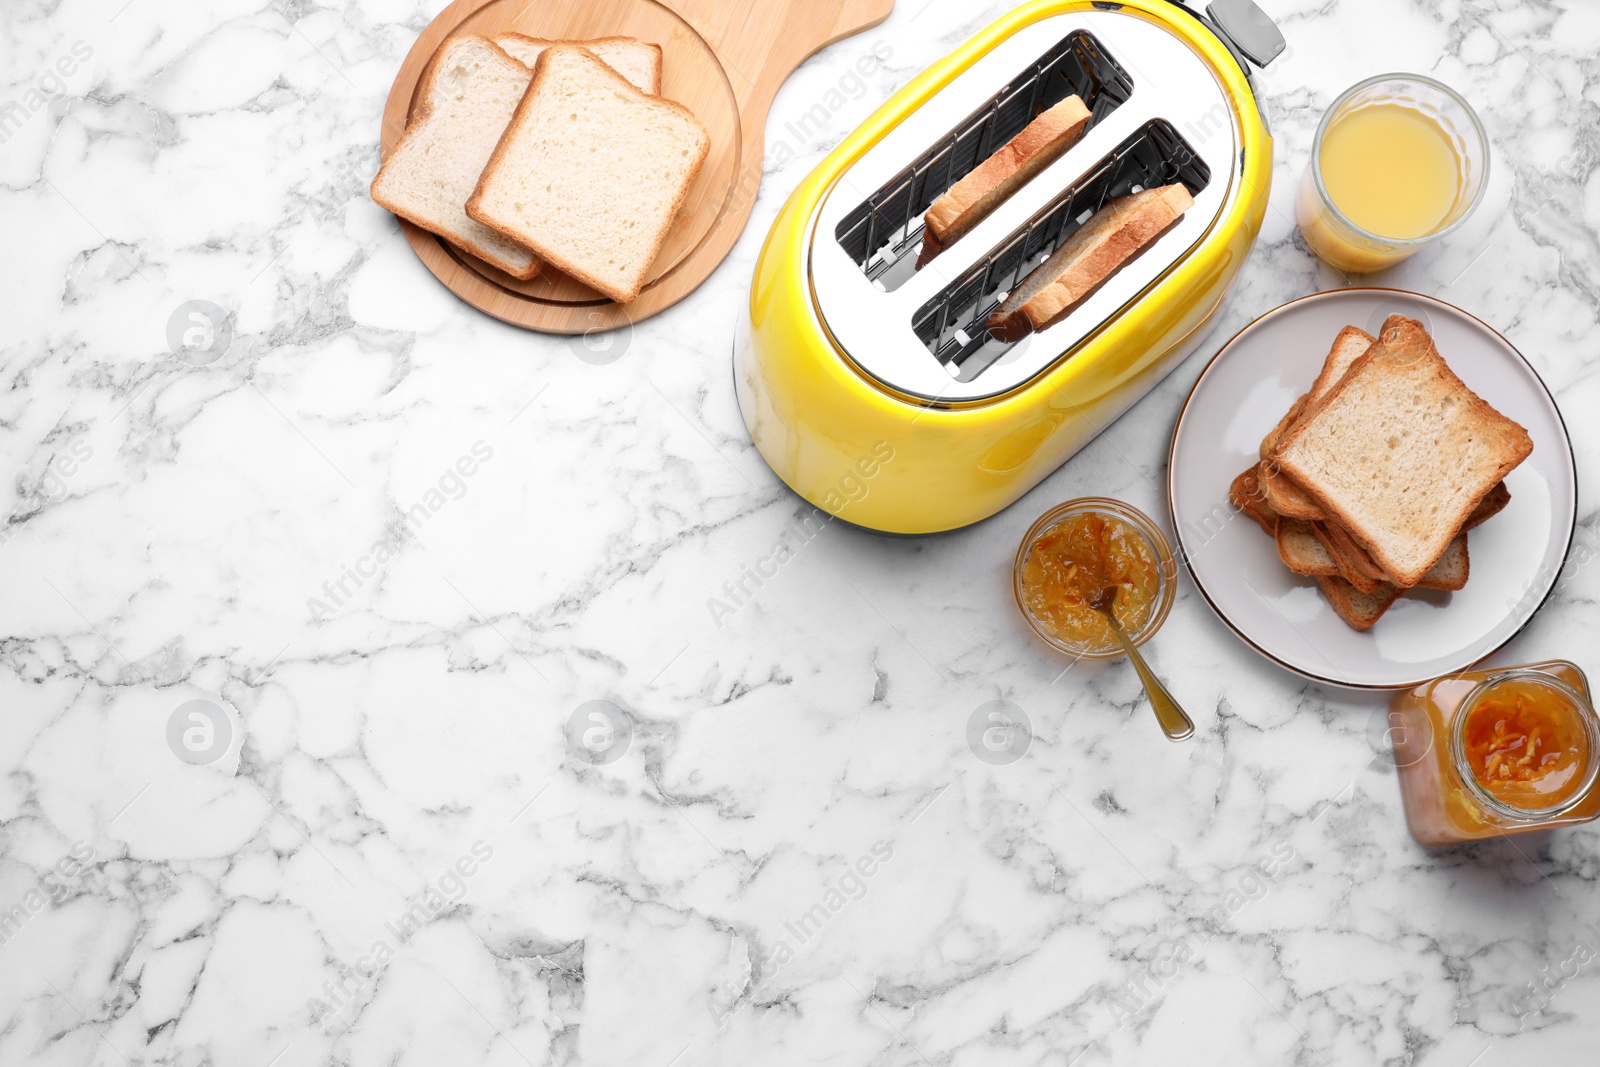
[[1496, 752]]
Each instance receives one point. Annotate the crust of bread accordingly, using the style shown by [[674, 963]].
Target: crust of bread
[[1245, 495], [1491, 505], [1285, 496], [1403, 339], [655, 49], [558, 261], [1295, 539], [1366, 580], [1360, 611], [1013, 164], [423, 113], [1269, 442], [1333, 368], [1436, 579]]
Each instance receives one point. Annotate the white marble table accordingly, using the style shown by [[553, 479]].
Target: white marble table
[[394, 855]]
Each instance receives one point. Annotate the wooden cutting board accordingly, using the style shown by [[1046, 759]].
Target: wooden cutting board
[[722, 59]]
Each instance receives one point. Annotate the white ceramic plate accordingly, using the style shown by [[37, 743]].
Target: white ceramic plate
[[1516, 556]]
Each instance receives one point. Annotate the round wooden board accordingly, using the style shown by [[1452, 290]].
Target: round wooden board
[[704, 71]]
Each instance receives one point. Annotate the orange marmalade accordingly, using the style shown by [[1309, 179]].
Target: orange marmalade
[[1498, 752], [1526, 744], [1072, 561]]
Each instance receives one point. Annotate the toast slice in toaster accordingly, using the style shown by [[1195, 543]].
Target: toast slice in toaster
[[638, 61], [469, 95], [991, 183], [1098, 249], [591, 172]]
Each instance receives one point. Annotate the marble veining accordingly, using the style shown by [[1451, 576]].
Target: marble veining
[[478, 775]]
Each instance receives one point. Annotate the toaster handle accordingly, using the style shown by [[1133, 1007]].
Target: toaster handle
[[1242, 24]]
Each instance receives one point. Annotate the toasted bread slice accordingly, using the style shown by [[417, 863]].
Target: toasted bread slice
[[1292, 501], [1449, 573], [1489, 506], [469, 94], [992, 182], [1245, 495], [1350, 345], [1401, 452], [1099, 248], [1301, 551], [1269, 442], [591, 172], [1354, 567], [638, 61], [1289, 500], [1359, 610], [1452, 569], [1284, 496]]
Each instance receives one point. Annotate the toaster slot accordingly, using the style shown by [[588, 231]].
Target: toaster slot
[[951, 324], [883, 234]]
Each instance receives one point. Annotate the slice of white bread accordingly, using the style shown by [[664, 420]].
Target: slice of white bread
[[1400, 453], [591, 172], [638, 61], [470, 92], [973, 198], [1117, 233]]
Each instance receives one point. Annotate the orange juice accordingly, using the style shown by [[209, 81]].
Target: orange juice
[[1391, 170], [1398, 161]]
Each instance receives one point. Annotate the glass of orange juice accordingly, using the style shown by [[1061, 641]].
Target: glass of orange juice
[[1399, 161]]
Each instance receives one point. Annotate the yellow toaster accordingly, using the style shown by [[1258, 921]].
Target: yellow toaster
[[872, 387]]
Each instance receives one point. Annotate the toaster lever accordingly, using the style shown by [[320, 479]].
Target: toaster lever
[[1248, 29]]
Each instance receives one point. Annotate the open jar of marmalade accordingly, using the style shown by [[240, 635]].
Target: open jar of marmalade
[[1497, 752], [1079, 548]]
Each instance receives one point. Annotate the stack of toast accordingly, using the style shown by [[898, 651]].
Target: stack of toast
[[1372, 479], [533, 154], [1106, 242]]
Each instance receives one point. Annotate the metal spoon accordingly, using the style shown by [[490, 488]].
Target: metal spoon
[[1174, 722]]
